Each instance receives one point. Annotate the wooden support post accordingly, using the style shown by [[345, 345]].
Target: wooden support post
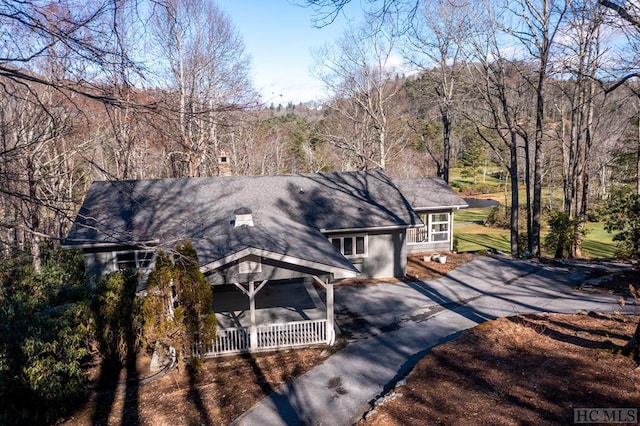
[[331, 334], [331, 330], [253, 332]]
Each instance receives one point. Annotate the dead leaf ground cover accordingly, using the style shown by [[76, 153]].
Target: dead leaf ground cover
[[224, 388], [520, 370]]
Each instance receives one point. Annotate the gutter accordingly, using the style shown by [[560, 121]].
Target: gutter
[[364, 230], [85, 244]]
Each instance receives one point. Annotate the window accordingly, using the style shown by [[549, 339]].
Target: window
[[351, 246], [436, 229], [138, 259], [439, 226]]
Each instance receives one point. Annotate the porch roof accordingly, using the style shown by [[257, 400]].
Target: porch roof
[[279, 239]]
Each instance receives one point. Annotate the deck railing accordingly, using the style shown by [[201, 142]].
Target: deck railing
[[289, 334], [417, 235], [271, 336], [227, 341]]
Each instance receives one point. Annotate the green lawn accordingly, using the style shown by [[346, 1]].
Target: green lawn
[[471, 215], [472, 236]]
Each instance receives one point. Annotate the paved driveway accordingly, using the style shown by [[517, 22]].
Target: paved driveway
[[394, 325]]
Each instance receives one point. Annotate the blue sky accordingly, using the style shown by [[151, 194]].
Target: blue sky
[[279, 36]]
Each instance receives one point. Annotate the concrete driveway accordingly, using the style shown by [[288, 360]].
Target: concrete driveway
[[392, 326]]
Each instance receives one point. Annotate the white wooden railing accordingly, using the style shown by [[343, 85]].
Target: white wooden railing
[[227, 341], [289, 334], [417, 235], [271, 336]]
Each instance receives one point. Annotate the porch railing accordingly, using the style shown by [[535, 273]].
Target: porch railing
[[271, 336], [227, 341], [289, 334], [417, 235]]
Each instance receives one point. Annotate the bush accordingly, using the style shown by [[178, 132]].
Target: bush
[[47, 327], [497, 218], [117, 316], [481, 188], [523, 242], [622, 214], [192, 320], [563, 236]]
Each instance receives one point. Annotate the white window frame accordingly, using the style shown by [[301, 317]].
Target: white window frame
[[137, 259], [433, 223], [354, 245]]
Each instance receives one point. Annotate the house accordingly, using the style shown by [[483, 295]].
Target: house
[[259, 232], [435, 202]]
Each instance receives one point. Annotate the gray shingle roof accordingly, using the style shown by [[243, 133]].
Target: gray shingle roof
[[288, 211], [429, 193]]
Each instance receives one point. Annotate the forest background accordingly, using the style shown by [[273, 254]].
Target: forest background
[[541, 94]]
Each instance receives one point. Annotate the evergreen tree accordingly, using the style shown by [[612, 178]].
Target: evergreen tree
[[177, 309]]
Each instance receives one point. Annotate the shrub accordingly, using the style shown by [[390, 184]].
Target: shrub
[[622, 214], [497, 217], [117, 316], [523, 242], [46, 328], [481, 188], [563, 236]]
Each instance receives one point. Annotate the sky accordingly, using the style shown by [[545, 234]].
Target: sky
[[279, 37]]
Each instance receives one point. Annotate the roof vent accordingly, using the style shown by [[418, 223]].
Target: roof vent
[[243, 217]]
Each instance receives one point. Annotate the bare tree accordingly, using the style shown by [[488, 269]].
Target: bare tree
[[88, 36], [360, 74], [582, 58], [55, 60], [535, 25], [37, 185], [436, 43], [209, 70], [629, 11], [500, 116]]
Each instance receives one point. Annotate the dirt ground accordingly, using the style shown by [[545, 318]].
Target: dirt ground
[[224, 389], [516, 370]]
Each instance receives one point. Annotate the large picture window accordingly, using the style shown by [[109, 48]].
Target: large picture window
[[352, 245]]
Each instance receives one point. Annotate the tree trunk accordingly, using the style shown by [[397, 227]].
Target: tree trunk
[[527, 180], [446, 143], [537, 166], [513, 172], [638, 159]]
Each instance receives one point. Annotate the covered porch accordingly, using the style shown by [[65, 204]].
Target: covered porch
[[262, 316], [266, 300]]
